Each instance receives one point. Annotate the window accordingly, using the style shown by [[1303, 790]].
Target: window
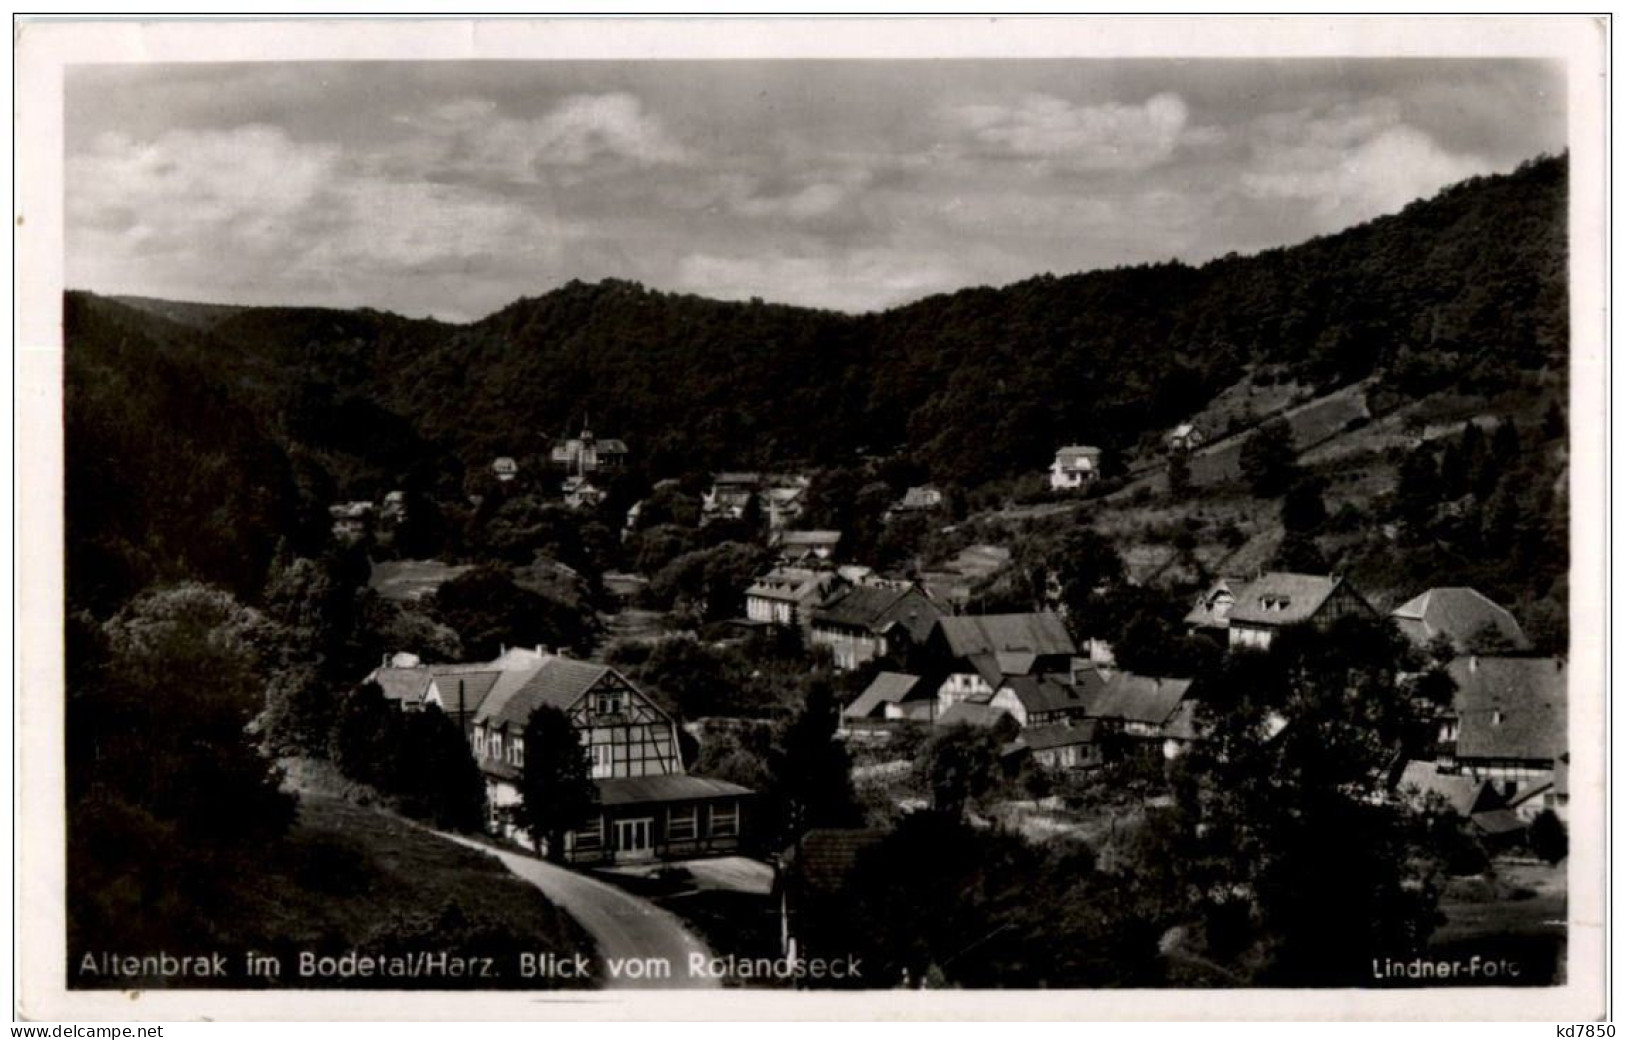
[[725, 820], [611, 702], [517, 749], [683, 824], [602, 764]]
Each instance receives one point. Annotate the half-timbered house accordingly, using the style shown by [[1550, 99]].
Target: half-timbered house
[[648, 806]]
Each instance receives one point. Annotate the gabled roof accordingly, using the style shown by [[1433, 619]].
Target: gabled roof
[[407, 685], [1181, 725], [1281, 598], [558, 682], [792, 584], [1463, 794], [1140, 698], [1038, 633], [824, 857], [1212, 609], [1458, 613], [1043, 738], [971, 714], [924, 497], [475, 686], [887, 688], [876, 608], [1041, 693], [1511, 707]]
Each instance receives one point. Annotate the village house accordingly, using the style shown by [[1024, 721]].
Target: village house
[[864, 622], [1149, 708], [729, 495], [920, 499], [648, 806], [800, 547], [812, 890], [784, 500], [1185, 437], [1075, 466], [582, 493], [504, 468], [585, 454], [975, 653], [1064, 745], [1256, 612], [1474, 800], [1471, 621], [352, 521], [1508, 725], [890, 699], [1211, 614], [786, 596]]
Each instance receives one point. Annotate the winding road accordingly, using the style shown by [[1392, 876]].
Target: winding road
[[629, 931]]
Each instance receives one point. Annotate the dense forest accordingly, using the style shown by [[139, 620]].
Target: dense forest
[[201, 437]]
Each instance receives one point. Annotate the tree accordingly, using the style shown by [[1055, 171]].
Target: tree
[[1303, 510], [489, 610], [1300, 554], [556, 792], [1288, 836], [1548, 838], [959, 766], [1179, 475], [812, 774], [1268, 458]]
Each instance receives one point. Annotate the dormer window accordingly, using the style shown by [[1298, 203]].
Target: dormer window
[[609, 702]]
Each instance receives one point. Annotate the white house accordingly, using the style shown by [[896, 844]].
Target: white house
[[1074, 467]]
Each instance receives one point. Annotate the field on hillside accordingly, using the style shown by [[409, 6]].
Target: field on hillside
[[348, 878]]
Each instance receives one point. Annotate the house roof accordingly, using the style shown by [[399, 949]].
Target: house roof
[[1212, 609], [794, 538], [1458, 613], [1498, 821], [790, 584], [1043, 738], [1184, 430], [557, 681], [1463, 794], [407, 685], [475, 686], [1041, 693], [887, 688], [971, 714], [876, 608], [1076, 451], [1181, 725], [1281, 598], [736, 479], [1039, 633], [678, 787], [1511, 707], [1140, 698], [824, 857], [924, 497]]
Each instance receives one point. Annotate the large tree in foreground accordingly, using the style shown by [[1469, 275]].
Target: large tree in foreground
[[1294, 869], [556, 792]]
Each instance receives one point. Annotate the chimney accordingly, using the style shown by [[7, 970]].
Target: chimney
[[385, 663], [541, 651], [502, 649], [1472, 665]]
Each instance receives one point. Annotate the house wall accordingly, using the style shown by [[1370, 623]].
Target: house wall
[[772, 611], [1006, 698], [1250, 637], [960, 686], [851, 648], [676, 830]]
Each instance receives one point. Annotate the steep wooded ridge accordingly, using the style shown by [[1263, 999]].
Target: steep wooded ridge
[[198, 435]]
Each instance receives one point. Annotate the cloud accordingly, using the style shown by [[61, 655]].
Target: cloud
[[469, 137], [246, 212], [1108, 136], [1352, 162]]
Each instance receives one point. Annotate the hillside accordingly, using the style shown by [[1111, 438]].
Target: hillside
[[199, 435]]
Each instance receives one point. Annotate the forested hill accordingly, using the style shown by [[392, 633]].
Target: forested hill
[[274, 410]]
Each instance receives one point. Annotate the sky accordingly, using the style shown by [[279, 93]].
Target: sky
[[449, 189]]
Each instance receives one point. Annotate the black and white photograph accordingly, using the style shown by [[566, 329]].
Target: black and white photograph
[[952, 520]]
